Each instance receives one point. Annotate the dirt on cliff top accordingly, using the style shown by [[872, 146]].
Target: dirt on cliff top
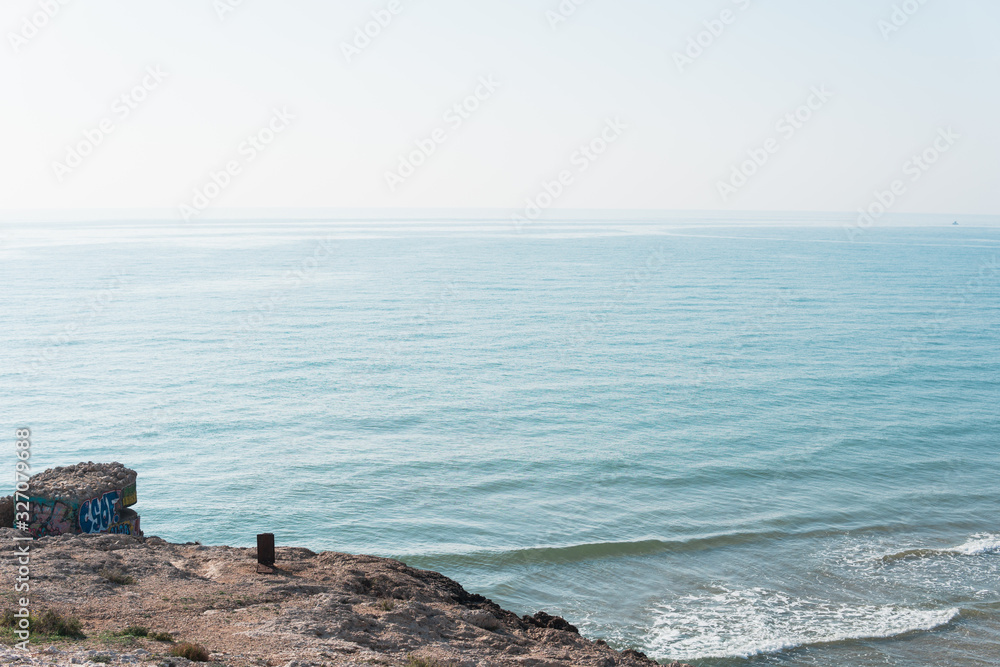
[[316, 609]]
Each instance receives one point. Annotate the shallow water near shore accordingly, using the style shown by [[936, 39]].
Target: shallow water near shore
[[726, 445]]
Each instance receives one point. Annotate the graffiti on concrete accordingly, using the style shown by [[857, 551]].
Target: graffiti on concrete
[[99, 514], [51, 517], [128, 496], [83, 498], [129, 525]]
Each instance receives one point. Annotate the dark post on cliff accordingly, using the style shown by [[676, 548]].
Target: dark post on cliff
[[265, 553]]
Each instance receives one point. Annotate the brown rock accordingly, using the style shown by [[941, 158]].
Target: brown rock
[[543, 620], [7, 512], [316, 609]]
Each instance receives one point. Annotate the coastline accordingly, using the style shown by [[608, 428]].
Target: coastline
[[324, 608]]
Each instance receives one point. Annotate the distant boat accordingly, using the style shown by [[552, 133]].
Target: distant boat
[[955, 223]]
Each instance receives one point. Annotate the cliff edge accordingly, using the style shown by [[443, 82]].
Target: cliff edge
[[316, 609]]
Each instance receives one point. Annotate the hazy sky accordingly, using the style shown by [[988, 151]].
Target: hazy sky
[[339, 120]]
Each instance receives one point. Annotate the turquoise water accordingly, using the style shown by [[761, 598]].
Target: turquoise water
[[727, 445]]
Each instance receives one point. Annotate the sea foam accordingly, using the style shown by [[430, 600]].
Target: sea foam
[[981, 543], [978, 544], [742, 623]]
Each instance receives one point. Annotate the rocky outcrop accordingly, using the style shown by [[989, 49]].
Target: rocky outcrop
[[82, 481], [83, 498], [7, 511], [316, 609], [543, 620]]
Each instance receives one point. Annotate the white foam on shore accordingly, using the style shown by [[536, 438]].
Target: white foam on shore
[[978, 544], [981, 543], [743, 623]]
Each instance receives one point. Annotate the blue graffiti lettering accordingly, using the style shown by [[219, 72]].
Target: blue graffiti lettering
[[98, 514]]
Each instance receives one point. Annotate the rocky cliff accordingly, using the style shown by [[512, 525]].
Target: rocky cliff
[[316, 609]]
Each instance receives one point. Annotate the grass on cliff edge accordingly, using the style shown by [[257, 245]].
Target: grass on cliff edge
[[134, 631], [49, 624], [127, 637], [142, 631], [195, 652], [117, 576]]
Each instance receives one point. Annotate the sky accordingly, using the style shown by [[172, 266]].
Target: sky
[[193, 107]]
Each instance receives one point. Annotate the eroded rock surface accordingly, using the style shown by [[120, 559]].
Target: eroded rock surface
[[317, 609], [82, 481]]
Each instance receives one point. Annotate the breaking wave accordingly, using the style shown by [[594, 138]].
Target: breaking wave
[[748, 622], [982, 543]]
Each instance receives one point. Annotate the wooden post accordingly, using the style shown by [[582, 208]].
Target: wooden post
[[265, 553]]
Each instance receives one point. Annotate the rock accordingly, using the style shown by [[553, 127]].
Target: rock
[[86, 497], [7, 511], [81, 480], [482, 619], [543, 620], [315, 609], [641, 657]]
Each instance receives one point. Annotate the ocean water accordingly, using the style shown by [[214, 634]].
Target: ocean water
[[730, 445]]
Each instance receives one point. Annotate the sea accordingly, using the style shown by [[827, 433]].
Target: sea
[[765, 441]]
